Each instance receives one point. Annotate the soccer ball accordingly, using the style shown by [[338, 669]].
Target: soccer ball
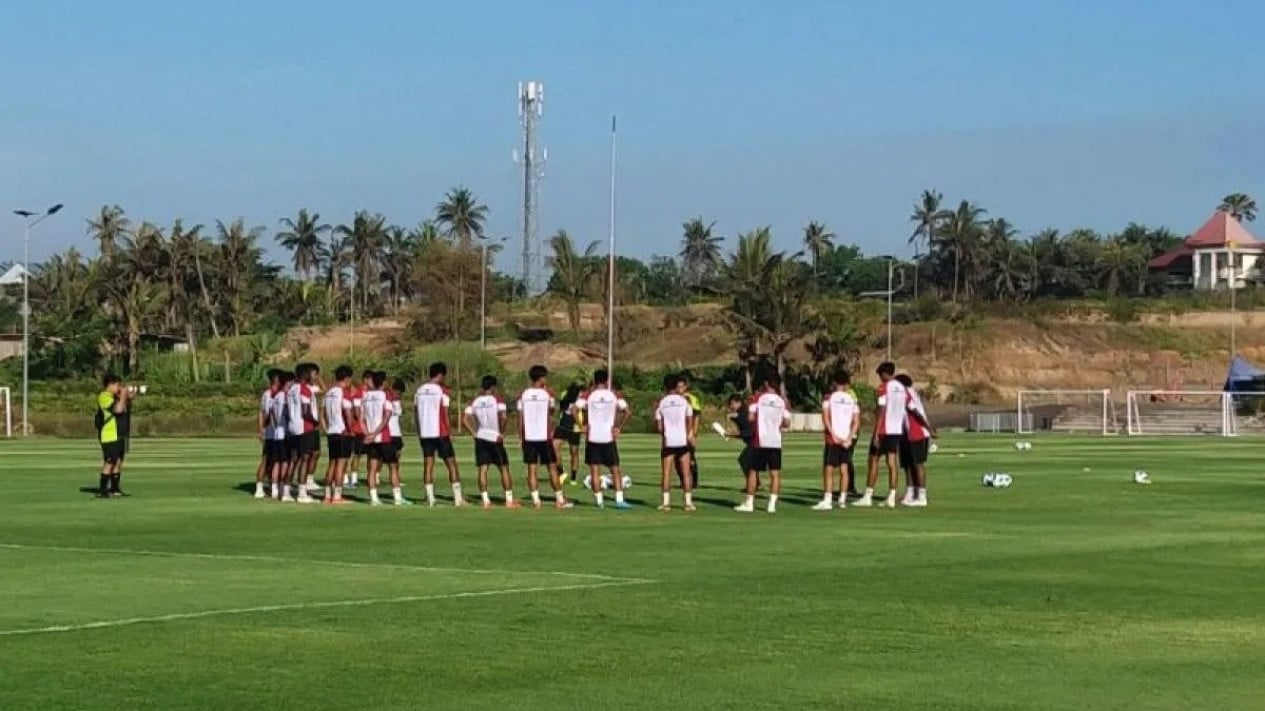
[[1023, 446], [1141, 477], [627, 482], [988, 478], [997, 480], [1027, 446], [933, 448], [607, 482]]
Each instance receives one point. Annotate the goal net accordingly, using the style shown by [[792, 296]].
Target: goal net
[[1066, 411], [5, 402], [1193, 412]]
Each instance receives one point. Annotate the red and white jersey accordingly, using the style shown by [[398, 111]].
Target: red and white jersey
[[397, 409], [301, 405], [603, 406], [768, 412], [377, 411], [893, 399], [277, 416], [486, 411], [265, 400], [535, 408], [336, 408], [914, 429], [673, 414], [431, 403], [843, 410], [354, 395]]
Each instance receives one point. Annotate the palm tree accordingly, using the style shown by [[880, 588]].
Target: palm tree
[[818, 241], [237, 258], [399, 254], [1240, 206], [365, 238], [109, 228], [304, 236], [959, 234], [1118, 264], [926, 217], [572, 273], [700, 250], [461, 216]]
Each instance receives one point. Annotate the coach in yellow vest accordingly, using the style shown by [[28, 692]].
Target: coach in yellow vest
[[112, 433]]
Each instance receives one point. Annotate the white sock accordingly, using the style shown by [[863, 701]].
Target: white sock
[[598, 498], [619, 497], [430, 493], [276, 491], [285, 491], [311, 481], [373, 494], [827, 498], [749, 501], [396, 493], [259, 487], [772, 501], [557, 496], [689, 498], [456, 490], [869, 493], [667, 498], [535, 497], [338, 492], [509, 496], [486, 498]]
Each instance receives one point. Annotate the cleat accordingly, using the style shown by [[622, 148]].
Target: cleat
[[338, 501], [621, 505], [744, 508], [564, 504], [864, 502], [823, 506], [375, 502], [689, 508], [771, 509], [288, 500], [537, 505], [918, 504], [665, 508], [513, 505], [402, 502], [260, 495], [487, 505], [890, 501], [458, 502]]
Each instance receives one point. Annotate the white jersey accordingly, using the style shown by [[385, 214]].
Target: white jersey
[[894, 400], [393, 420], [276, 415], [673, 414], [486, 411], [535, 407], [376, 410], [299, 400], [432, 402], [844, 411], [336, 407], [602, 406], [770, 413]]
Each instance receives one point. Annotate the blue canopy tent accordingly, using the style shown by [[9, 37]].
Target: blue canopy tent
[[1243, 376]]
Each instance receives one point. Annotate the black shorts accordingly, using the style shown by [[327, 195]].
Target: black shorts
[[913, 453], [744, 459], [441, 446], [302, 445], [357, 445], [836, 455], [674, 452], [490, 454], [398, 443], [384, 452], [765, 459], [263, 450], [113, 452], [602, 454], [341, 445], [275, 451], [538, 453], [571, 437], [885, 444]]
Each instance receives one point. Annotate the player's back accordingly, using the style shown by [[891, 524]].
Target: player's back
[[376, 410], [844, 410], [674, 412], [603, 406], [333, 403], [895, 401], [486, 411], [770, 412], [534, 407], [431, 403]]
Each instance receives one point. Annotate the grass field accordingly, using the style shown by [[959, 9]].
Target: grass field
[[1070, 590]]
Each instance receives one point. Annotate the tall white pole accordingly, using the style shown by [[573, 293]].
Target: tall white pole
[[26, 329], [1234, 287], [483, 295], [610, 269], [889, 309]]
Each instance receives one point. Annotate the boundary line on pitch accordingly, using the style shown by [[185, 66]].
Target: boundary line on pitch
[[177, 616], [318, 561]]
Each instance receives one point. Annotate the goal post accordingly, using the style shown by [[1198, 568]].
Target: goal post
[[1066, 411], [7, 404], [1194, 412]]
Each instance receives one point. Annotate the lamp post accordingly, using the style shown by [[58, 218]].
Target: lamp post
[[610, 271], [31, 218], [892, 288], [483, 290]]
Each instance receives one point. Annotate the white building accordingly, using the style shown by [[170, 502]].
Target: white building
[[1219, 254]]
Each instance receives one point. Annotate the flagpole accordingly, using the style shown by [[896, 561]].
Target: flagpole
[[610, 269]]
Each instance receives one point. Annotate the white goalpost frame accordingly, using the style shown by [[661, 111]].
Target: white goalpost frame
[[1107, 407], [7, 398], [1227, 418]]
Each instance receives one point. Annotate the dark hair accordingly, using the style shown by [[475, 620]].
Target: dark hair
[[772, 381], [274, 374], [285, 377], [905, 380], [313, 368], [398, 385], [299, 370], [670, 381], [437, 369], [736, 398], [379, 378], [110, 379], [841, 377], [601, 376], [367, 375], [887, 368], [343, 372], [536, 372], [571, 395], [488, 382]]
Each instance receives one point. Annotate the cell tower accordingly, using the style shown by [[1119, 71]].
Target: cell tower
[[531, 105]]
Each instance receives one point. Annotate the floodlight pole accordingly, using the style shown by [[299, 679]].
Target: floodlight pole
[[610, 269], [30, 224]]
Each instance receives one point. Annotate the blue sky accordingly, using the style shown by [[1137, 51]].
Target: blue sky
[[1049, 113]]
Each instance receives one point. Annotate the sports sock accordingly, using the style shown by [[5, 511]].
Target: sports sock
[[535, 498], [338, 492], [557, 496], [667, 498], [397, 494], [749, 501], [285, 491], [689, 498], [276, 491], [869, 492], [430, 493], [259, 488], [509, 496], [598, 498], [103, 485], [484, 495], [772, 501], [619, 497], [114, 482], [456, 490]]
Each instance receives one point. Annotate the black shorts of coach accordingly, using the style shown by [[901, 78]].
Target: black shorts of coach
[[341, 446], [744, 458], [913, 452], [836, 455], [437, 447], [490, 454], [113, 452], [601, 454], [276, 451], [538, 453], [765, 459], [384, 452], [571, 437], [885, 444]]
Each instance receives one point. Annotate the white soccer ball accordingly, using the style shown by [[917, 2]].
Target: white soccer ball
[[1002, 481], [627, 482], [607, 482], [988, 479], [933, 448], [1018, 446], [588, 482], [1141, 477], [1027, 446]]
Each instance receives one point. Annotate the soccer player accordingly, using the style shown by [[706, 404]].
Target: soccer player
[[432, 403], [265, 433], [568, 431], [338, 413], [305, 480], [675, 419], [606, 414], [535, 410], [378, 447], [302, 419], [274, 435], [485, 419], [769, 417], [889, 427], [915, 446], [351, 479], [397, 440], [697, 406], [841, 416], [111, 403], [741, 420]]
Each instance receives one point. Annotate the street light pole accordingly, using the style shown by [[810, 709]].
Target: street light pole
[[483, 294], [26, 215], [610, 270]]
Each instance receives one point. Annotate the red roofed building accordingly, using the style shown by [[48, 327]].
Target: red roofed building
[[1217, 255]]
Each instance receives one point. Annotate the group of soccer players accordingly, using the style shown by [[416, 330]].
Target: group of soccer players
[[362, 420]]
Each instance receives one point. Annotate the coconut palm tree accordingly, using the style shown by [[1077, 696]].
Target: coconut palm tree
[[304, 237], [927, 216], [573, 273], [818, 241], [400, 249], [1240, 206], [959, 234], [237, 260], [109, 228], [461, 216], [700, 250], [365, 238], [1119, 265]]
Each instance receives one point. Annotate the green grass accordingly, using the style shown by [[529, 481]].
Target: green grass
[[1070, 590]]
